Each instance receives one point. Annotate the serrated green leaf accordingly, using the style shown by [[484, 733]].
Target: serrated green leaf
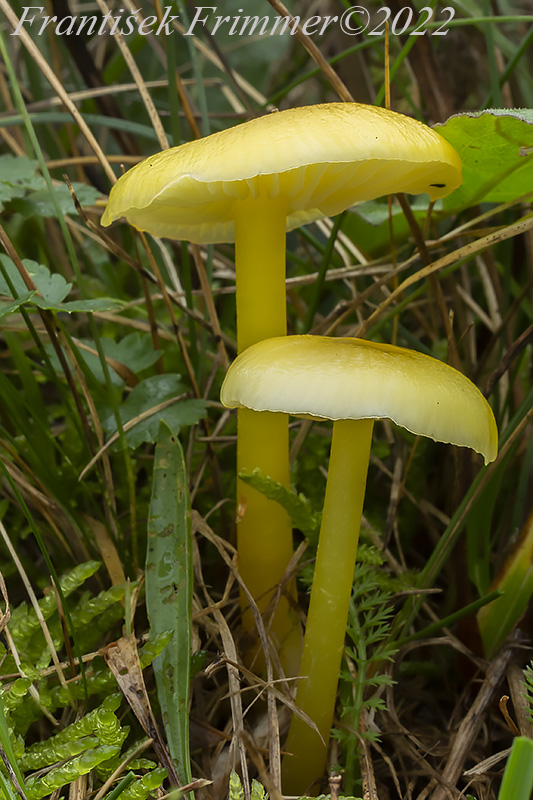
[[496, 148]]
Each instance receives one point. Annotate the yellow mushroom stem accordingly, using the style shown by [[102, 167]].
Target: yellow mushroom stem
[[260, 247], [264, 531], [329, 605]]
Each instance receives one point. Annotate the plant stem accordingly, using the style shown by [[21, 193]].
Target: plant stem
[[264, 532], [330, 600]]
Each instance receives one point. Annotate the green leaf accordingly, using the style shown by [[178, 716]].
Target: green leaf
[[119, 351], [52, 286], [9, 308], [517, 780], [296, 505], [169, 588], [79, 306], [42, 204], [148, 394], [496, 148], [236, 792], [136, 350], [258, 791], [18, 174]]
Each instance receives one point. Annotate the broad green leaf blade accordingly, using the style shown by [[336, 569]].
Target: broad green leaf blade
[[169, 585], [517, 780], [496, 148]]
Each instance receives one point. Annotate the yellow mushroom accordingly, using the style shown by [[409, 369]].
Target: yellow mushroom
[[250, 184], [353, 382]]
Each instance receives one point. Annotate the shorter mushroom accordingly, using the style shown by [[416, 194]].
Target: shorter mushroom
[[353, 382]]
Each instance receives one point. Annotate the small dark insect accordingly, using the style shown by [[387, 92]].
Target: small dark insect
[[438, 185]]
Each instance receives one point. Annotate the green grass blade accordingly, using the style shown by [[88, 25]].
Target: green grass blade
[[313, 305], [518, 776], [169, 592], [495, 88]]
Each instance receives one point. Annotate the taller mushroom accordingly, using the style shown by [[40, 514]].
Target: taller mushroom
[[249, 185]]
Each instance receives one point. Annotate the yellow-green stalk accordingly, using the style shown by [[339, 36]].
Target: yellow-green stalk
[[264, 531], [328, 608]]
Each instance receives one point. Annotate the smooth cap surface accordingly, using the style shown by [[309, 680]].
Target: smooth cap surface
[[317, 160], [341, 378]]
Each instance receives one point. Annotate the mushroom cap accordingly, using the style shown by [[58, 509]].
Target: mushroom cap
[[319, 159], [341, 378]]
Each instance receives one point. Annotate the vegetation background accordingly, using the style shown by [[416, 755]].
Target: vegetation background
[[105, 334]]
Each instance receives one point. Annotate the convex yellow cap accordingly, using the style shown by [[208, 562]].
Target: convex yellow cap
[[342, 378], [318, 159]]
